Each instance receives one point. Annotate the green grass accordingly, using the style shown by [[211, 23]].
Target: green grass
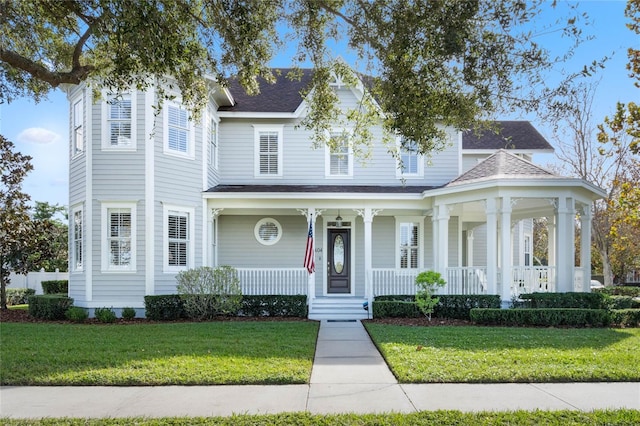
[[502, 354], [157, 354], [443, 418], [19, 307]]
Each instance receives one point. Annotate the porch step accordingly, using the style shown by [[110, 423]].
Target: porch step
[[337, 308]]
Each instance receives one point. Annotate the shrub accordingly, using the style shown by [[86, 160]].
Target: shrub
[[621, 302], [128, 313], [55, 287], [619, 291], [274, 306], [396, 297], [167, 307], [19, 296], [105, 315], [542, 317], [76, 314], [625, 317], [395, 309], [565, 300], [427, 283], [49, 306], [207, 292], [459, 306]]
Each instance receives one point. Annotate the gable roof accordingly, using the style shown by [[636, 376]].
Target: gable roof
[[502, 164], [513, 135], [282, 96]]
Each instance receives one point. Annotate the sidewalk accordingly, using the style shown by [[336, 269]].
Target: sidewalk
[[349, 375]]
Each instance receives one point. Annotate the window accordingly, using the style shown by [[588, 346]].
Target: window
[[213, 144], [118, 121], [268, 231], [77, 240], [340, 161], [408, 245], [178, 131], [527, 250], [78, 134], [411, 163], [119, 237], [178, 238], [268, 151]]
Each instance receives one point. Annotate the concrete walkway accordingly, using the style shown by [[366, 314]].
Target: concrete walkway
[[348, 375]]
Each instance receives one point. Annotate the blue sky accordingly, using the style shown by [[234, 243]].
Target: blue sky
[[41, 130]]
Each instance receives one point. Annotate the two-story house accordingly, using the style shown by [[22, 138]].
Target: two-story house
[[153, 193]]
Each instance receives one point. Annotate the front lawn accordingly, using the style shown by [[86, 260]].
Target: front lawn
[[208, 353], [504, 354], [442, 418]]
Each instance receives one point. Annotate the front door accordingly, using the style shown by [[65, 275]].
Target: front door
[[339, 262]]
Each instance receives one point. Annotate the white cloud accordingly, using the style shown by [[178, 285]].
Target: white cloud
[[38, 135]]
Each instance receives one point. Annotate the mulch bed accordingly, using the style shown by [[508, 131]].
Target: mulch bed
[[420, 322]]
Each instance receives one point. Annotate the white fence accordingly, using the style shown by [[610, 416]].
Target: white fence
[[533, 279], [394, 281], [34, 279], [466, 280], [289, 281]]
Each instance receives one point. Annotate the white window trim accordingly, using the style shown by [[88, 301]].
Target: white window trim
[[190, 154], [214, 150], [106, 136], [327, 159], [190, 211], [410, 219], [75, 150], [402, 175], [257, 129], [106, 267], [256, 231], [72, 255]]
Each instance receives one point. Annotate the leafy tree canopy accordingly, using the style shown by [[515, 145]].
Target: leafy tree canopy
[[433, 62]]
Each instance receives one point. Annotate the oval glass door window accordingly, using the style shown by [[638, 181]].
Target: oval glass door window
[[338, 254]]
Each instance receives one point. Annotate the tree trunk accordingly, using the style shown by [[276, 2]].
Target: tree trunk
[[3, 285], [606, 268]]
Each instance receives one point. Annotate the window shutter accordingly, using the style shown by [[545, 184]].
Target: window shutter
[[178, 129], [268, 147]]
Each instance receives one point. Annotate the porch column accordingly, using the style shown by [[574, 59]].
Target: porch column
[[506, 250], [310, 214], [367, 216], [551, 248], [470, 248], [212, 258], [565, 243], [442, 259], [492, 246], [585, 247]]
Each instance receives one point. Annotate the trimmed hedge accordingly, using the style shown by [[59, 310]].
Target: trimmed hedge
[[19, 296], [170, 307], [274, 306], [166, 307], [55, 287], [622, 302], [455, 306], [546, 317], [618, 291], [573, 300], [49, 306], [625, 317], [395, 309]]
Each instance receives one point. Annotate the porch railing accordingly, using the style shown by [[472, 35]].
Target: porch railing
[[533, 279], [394, 281], [466, 280], [289, 281]]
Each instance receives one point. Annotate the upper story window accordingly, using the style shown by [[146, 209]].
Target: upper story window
[[213, 144], [408, 243], [339, 162], [119, 122], [178, 131], [411, 163], [119, 237], [77, 240], [268, 151], [78, 128]]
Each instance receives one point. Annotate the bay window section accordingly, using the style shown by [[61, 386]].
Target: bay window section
[[178, 238], [119, 237]]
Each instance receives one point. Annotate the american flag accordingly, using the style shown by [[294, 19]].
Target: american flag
[[309, 261]]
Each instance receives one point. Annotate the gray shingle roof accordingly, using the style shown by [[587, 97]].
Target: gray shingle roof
[[503, 164], [358, 189], [282, 96], [513, 135]]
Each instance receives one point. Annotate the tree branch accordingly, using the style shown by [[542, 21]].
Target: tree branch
[[77, 74]]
